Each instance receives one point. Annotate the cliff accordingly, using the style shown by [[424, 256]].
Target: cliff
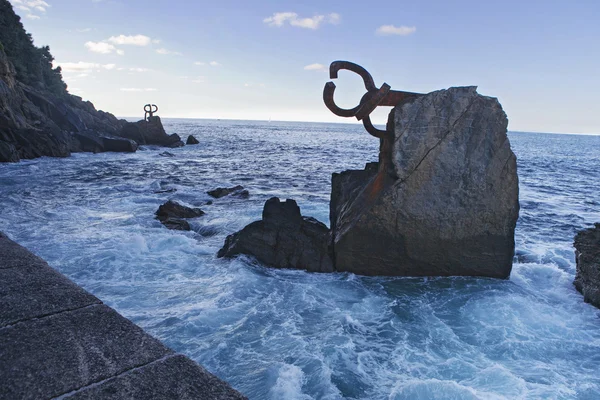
[[38, 117]]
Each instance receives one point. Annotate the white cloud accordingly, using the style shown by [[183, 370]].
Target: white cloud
[[212, 63], [386, 30], [31, 7], [82, 67], [83, 30], [139, 69], [199, 79], [134, 40], [100, 47], [281, 18], [138, 90], [165, 51], [315, 67], [120, 52]]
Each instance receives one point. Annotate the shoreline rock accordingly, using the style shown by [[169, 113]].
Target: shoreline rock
[[444, 199], [172, 215], [236, 191], [587, 256], [283, 239], [191, 140]]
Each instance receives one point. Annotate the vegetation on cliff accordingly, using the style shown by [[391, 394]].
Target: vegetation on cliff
[[32, 64]]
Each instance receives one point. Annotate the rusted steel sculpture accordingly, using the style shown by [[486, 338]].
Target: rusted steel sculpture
[[149, 110], [374, 97]]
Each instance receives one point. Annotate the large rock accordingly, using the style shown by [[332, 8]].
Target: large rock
[[150, 131], [443, 199], [283, 239], [587, 255], [172, 215]]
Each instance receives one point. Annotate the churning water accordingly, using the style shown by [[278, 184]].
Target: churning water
[[281, 334]]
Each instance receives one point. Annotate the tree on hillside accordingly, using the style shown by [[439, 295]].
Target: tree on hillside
[[33, 64]]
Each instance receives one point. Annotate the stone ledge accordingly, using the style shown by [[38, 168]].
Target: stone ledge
[[59, 341]]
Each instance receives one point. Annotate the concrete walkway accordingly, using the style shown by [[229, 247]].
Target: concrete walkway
[[57, 341]]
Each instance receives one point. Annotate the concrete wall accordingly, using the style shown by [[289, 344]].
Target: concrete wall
[[59, 341]]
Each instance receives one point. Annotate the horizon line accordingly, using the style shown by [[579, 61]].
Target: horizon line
[[352, 122]]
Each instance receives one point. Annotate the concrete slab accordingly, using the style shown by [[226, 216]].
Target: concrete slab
[[13, 255], [155, 381], [36, 291], [47, 357], [59, 341]]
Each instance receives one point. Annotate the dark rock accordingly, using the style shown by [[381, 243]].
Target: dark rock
[[192, 140], [587, 255], [236, 191], [150, 131], [119, 144], [176, 224], [283, 239], [171, 215], [166, 154], [443, 200], [35, 122]]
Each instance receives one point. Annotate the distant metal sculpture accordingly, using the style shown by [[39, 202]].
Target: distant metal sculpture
[[149, 110], [374, 97]]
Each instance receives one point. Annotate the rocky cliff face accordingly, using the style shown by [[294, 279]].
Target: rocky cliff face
[[587, 255], [444, 200], [35, 122]]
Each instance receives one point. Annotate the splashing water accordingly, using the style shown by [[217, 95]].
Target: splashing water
[[284, 334]]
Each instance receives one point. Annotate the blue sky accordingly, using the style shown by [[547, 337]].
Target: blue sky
[[248, 59]]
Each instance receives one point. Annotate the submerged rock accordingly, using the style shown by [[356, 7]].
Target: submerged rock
[[283, 239], [192, 140], [443, 200], [587, 255], [172, 214], [236, 191]]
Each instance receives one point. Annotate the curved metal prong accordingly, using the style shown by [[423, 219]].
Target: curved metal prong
[[330, 103], [378, 133], [336, 66]]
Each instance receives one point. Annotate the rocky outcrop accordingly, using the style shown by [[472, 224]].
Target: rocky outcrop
[[283, 239], [38, 117], [236, 191], [172, 215], [35, 122], [192, 140], [150, 131], [443, 200], [587, 256]]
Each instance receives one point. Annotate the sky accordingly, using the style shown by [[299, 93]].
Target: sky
[[268, 59]]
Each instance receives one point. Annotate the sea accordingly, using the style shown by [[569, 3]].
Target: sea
[[289, 334]]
